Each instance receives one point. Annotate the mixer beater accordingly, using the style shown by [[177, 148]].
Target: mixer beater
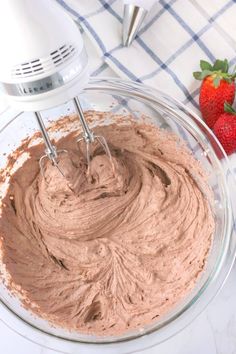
[[87, 136], [43, 64], [50, 151]]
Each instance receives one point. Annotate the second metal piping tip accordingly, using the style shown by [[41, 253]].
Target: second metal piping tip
[[132, 21]]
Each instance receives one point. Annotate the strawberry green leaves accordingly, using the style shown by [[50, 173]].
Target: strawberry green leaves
[[200, 75], [216, 81], [218, 71], [229, 109], [204, 65], [221, 65]]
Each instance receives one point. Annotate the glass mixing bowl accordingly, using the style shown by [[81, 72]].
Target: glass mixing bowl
[[144, 103]]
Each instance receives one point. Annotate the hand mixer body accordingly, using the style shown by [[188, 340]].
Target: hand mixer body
[[43, 61]]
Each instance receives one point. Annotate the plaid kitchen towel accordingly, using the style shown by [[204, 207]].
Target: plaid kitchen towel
[[174, 37]]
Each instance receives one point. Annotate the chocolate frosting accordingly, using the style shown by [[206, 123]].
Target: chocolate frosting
[[115, 250]]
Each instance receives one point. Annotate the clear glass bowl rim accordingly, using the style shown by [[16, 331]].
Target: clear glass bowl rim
[[188, 313]]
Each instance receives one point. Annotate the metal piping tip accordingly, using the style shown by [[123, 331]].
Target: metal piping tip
[[133, 19]]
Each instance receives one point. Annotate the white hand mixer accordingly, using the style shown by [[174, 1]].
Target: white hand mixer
[[43, 63]]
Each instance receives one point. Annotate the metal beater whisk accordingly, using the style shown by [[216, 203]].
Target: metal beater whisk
[[50, 151], [87, 135]]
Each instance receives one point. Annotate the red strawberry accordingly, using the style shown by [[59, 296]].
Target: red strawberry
[[217, 88], [225, 129]]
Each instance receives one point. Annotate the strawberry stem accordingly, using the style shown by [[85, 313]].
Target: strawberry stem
[[229, 109]]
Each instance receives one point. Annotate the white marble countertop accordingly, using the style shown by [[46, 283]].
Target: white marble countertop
[[213, 332]]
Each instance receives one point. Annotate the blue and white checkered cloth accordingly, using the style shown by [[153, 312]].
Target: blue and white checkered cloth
[[174, 37]]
